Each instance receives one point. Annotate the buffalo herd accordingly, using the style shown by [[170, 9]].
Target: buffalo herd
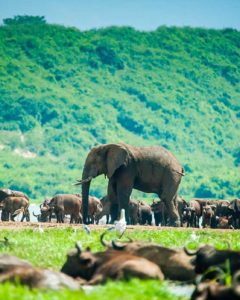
[[206, 267], [196, 213]]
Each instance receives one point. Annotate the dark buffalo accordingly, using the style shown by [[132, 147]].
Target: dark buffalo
[[174, 263], [192, 214], [160, 212], [145, 213], [94, 208], [181, 205], [208, 256], [216, 291], [234, 211], [61, 205], [106, 206], [19, 271], [98, 267], [208, 215]]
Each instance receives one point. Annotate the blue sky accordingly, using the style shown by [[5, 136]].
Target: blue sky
[[141, 14]]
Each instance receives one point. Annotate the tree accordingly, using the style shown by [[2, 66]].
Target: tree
[[26, 20]]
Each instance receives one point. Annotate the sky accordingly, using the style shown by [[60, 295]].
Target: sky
[[140, 14]]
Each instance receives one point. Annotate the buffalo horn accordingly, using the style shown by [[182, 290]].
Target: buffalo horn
[[35, 215], [189, 252], [104, 243], [236, 283], [78, 246], [117, 246]]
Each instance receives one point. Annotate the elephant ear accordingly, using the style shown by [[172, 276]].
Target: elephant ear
[[116, 157]]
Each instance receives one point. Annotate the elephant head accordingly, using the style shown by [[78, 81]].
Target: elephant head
[[103, 159]]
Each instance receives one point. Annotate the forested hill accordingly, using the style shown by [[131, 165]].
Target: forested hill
[[63, 91]]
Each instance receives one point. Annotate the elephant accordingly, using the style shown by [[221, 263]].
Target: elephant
[[148, 169], [12, 204]]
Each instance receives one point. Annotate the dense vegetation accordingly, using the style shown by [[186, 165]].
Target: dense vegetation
[[63, 91]]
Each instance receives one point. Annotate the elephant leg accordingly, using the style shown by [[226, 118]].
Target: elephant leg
[[123, 193], [168, 199], [58, 216], [27, 215], [112, 196]]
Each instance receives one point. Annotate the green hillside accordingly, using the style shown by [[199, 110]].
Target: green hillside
[[63, 91]]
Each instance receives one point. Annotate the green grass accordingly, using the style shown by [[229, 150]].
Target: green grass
[[48, 249], [133, 290]]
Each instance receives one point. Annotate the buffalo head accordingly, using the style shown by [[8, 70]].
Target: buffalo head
[[80, 263]]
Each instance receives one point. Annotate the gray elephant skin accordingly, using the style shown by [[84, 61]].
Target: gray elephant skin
[[148, 169]]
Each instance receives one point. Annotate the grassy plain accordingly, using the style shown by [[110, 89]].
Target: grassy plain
[[47, 247]]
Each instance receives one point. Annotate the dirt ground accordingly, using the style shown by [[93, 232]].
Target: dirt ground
[[26, 225]]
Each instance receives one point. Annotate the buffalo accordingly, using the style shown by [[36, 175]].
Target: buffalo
[[208, 256], [217, 291], [175, 264], [160, 212], [208, 215], [234, 211], [106, 206], [61, 205], [192, 214], [145, 213], [98, 267], [19, 271], [94, 208]]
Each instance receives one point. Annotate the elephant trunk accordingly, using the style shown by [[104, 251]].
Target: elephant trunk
[[90, 171], [85, 195]]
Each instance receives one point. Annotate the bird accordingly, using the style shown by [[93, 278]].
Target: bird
[[87, 229], [39, 229], [121, 225], [193, 236]]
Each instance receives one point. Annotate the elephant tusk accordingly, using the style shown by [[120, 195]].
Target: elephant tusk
[[79, 182], [180, 173]]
